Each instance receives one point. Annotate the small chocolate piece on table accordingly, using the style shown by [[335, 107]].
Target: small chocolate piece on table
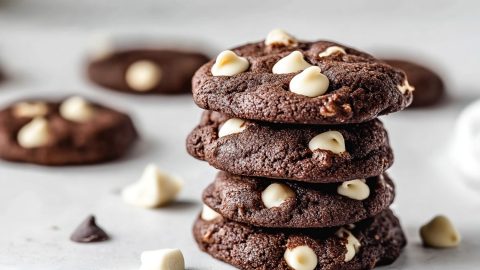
[[88, 231]]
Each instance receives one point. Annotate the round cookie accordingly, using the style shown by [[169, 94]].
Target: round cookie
[[429, 87], [373, 242], [269, 203], [358, 87], [146, 71], [283, 151], [71, 132]]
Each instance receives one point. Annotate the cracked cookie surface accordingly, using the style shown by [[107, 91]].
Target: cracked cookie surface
[[360, 87], [381, 240], [239, 198], [282, 151]]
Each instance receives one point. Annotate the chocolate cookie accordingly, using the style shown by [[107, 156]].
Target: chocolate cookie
[[373, 242], [317, 154], [268, 203], [147, 71], [429, 87], [266, 82], [74, 131]]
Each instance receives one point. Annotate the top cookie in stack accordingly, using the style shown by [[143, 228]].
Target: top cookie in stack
[[293, 126], [283, 80]]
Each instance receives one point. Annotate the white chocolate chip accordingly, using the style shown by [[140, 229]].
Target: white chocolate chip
[[143, 75], [440, 233], [405, 87], [352, 245], [301, 258], [280, 37], [229, 63], [276, 194], [331, 50], [291, 63], [208, 213], [34, 134], [310, 82], [329, 140], [155, 188], [354, 189], [30, 109], [231, 126], [162, 259], [77, 109]]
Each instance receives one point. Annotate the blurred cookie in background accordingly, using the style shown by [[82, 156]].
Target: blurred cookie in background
[[2, 75], [145, 70], [73, 131], [429, 87]]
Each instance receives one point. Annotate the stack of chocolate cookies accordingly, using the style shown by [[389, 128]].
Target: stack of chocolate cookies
[[292, 126]]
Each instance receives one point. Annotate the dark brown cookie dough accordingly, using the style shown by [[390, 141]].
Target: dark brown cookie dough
[[239, 198], [107, 136], [174, 70], [429, 87], [361, 87], [247, 247], [281, 151]]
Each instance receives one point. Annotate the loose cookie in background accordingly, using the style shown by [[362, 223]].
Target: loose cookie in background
[[308, 153], [73, 131], [364, 245], [283, 204], [429, 87], [285, 80], [146, 71]]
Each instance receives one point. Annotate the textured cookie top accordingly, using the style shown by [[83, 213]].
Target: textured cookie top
[[74, 131], [283, 204], [146, 71], [360, 87], [365, 245], [309, 153]]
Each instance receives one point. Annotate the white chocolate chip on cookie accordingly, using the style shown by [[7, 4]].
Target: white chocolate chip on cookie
[[231, 126], [405, 87], [143, 75], [440, 233], [276, 194], [30, 109], [291, 63], [208, 213], [34, 134], [332, 50], [301, 258], [354, 189], [154, 189], [310, 82], [77, 109], [162, 259], [352, 245], [330, 140], [280, 37], [229, 63]]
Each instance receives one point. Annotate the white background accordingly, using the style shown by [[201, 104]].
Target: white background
[[43, 46]]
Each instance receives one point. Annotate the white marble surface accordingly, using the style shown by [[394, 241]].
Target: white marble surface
[[42, 44]]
